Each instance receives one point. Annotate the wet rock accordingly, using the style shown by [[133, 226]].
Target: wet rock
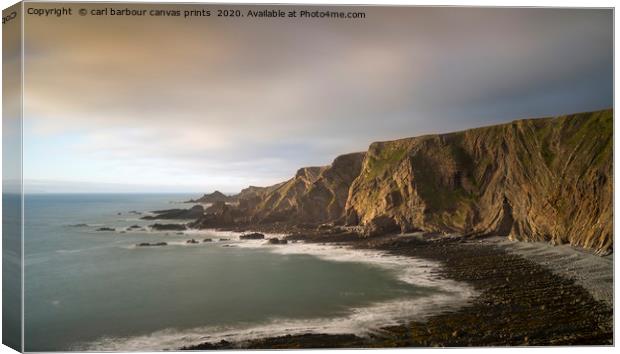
[[106, 229], [155, 244], [192, 241], [192, 213], [218, 215], [169, 227], [252, 236]]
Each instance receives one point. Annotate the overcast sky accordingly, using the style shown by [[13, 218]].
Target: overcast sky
[[169, 104]]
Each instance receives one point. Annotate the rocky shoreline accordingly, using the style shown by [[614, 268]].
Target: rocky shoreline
[[520, 302], [547, 179]]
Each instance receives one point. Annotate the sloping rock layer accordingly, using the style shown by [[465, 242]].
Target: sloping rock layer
[[546, 179]]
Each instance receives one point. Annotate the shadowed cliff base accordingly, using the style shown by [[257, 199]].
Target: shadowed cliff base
[[545, 179]]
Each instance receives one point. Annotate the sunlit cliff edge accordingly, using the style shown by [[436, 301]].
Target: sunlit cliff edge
[[544, 179]]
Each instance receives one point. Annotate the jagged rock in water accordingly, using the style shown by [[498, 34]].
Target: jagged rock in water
[[217, 215], [135, 227], [169, 227], [252, 236], [277, 241], [147, 244], [178, 214]]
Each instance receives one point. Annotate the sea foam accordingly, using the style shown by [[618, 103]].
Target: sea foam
[[361, 321]]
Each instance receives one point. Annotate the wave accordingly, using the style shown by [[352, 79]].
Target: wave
[[360, 321]]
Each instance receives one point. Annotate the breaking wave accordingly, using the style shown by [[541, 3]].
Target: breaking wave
[[448, 295]]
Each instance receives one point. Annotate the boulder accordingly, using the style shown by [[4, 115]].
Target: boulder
[[169, 227], [147, 244], [276, 241], [252, 236]]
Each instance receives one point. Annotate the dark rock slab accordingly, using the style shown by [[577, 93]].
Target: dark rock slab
[[169, 227], [154, 244], [192, 213], [252, 236]]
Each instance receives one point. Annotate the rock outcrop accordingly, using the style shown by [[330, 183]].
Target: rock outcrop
[[252, 236], [216, 196], [219, 215], [168, 227], [546, 179], [179, 214], [534, 180], [314, 195], [154, 244]]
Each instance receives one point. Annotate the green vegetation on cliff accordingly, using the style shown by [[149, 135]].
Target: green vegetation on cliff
[[533, 179], [546, 179]]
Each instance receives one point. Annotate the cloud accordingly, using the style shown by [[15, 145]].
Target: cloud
[[250, 101]]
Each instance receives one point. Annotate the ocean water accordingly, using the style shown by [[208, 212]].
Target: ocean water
[[92, 290]]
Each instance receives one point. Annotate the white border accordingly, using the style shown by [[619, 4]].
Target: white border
[[482, 3]]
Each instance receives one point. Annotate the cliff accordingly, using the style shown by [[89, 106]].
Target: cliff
[[546, 179], [534, 180], [314, 195], [214, 197]]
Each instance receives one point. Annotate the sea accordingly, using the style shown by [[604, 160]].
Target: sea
[[90, 290]]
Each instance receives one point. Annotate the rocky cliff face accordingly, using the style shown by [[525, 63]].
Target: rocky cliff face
[[214, 197], [534, 179], [314, 195], [546, 179]]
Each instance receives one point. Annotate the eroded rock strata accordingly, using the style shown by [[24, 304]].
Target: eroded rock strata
[[546, 179], [214, 197], [534, 179]]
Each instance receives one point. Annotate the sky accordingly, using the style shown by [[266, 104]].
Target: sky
[[152, 104]]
